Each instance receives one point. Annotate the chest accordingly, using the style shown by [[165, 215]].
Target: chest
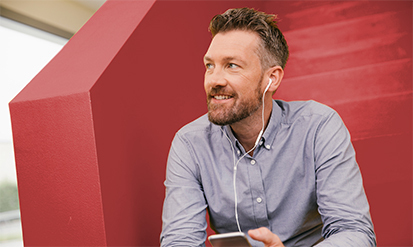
[[276, 182]]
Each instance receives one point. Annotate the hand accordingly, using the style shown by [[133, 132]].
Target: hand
[[266, 236]]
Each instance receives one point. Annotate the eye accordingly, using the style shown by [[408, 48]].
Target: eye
[[232, 66], [209, 66]]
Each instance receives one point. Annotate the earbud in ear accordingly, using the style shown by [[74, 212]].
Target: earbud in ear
[[269, 83]]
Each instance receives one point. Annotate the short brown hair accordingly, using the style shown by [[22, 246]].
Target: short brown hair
[[273, 48]]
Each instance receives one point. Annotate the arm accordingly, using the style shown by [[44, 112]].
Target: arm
[[184, 209], [340, 195]]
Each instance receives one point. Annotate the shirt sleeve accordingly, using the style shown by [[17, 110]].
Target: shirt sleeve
[[184, 210], [341, 199]]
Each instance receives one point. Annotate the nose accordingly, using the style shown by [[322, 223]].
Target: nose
[[215, 78]]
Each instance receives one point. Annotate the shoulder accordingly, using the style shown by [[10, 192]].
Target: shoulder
[[199, 128], [196, 135], [295, 110]]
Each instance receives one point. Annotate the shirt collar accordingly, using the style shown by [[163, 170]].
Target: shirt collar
[[273, 125], [269, 134], [228, 131]]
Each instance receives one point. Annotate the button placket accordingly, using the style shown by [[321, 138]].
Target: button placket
[[257, 192]]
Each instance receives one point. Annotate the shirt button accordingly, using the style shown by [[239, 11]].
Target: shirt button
[[252, 162], [259, 200], [238, 152], [268, 146]]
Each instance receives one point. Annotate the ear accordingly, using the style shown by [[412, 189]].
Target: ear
[[276, 74]]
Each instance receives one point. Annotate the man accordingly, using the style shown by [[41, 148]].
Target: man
[[283, 172]]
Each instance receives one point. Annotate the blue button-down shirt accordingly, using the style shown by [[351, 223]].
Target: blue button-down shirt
[[302, 182]]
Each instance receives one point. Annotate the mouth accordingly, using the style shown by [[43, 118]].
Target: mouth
[[221, 97]]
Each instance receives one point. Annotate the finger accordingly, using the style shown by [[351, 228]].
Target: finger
[[266, 236]]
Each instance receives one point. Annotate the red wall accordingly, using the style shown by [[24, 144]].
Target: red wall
[[92, 130], [357, 58]]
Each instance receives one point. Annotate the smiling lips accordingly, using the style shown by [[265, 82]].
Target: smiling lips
[[221, 97], [220, 94]]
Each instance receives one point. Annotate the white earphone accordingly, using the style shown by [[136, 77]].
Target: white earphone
[[262, 129], [268, 86], [236, 163]]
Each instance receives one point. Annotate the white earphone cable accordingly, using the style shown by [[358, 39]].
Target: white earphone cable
[[236, 163]]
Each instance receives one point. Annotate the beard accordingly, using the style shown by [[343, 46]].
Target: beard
[[239, 110]]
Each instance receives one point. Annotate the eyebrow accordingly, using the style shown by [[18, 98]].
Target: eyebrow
[[206, 58], [225, 59]]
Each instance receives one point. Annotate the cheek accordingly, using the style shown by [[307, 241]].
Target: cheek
[[244, 84]]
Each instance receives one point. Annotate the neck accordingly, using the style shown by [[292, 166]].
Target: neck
[[248, 129]]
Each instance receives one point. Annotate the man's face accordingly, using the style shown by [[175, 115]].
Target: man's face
[[233, 77]]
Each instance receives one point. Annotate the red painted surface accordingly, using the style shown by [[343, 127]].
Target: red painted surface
[[357, 58], [92, 130], [58, 173], [62, 193]]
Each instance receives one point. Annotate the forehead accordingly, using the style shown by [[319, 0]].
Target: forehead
[[236, 43]]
